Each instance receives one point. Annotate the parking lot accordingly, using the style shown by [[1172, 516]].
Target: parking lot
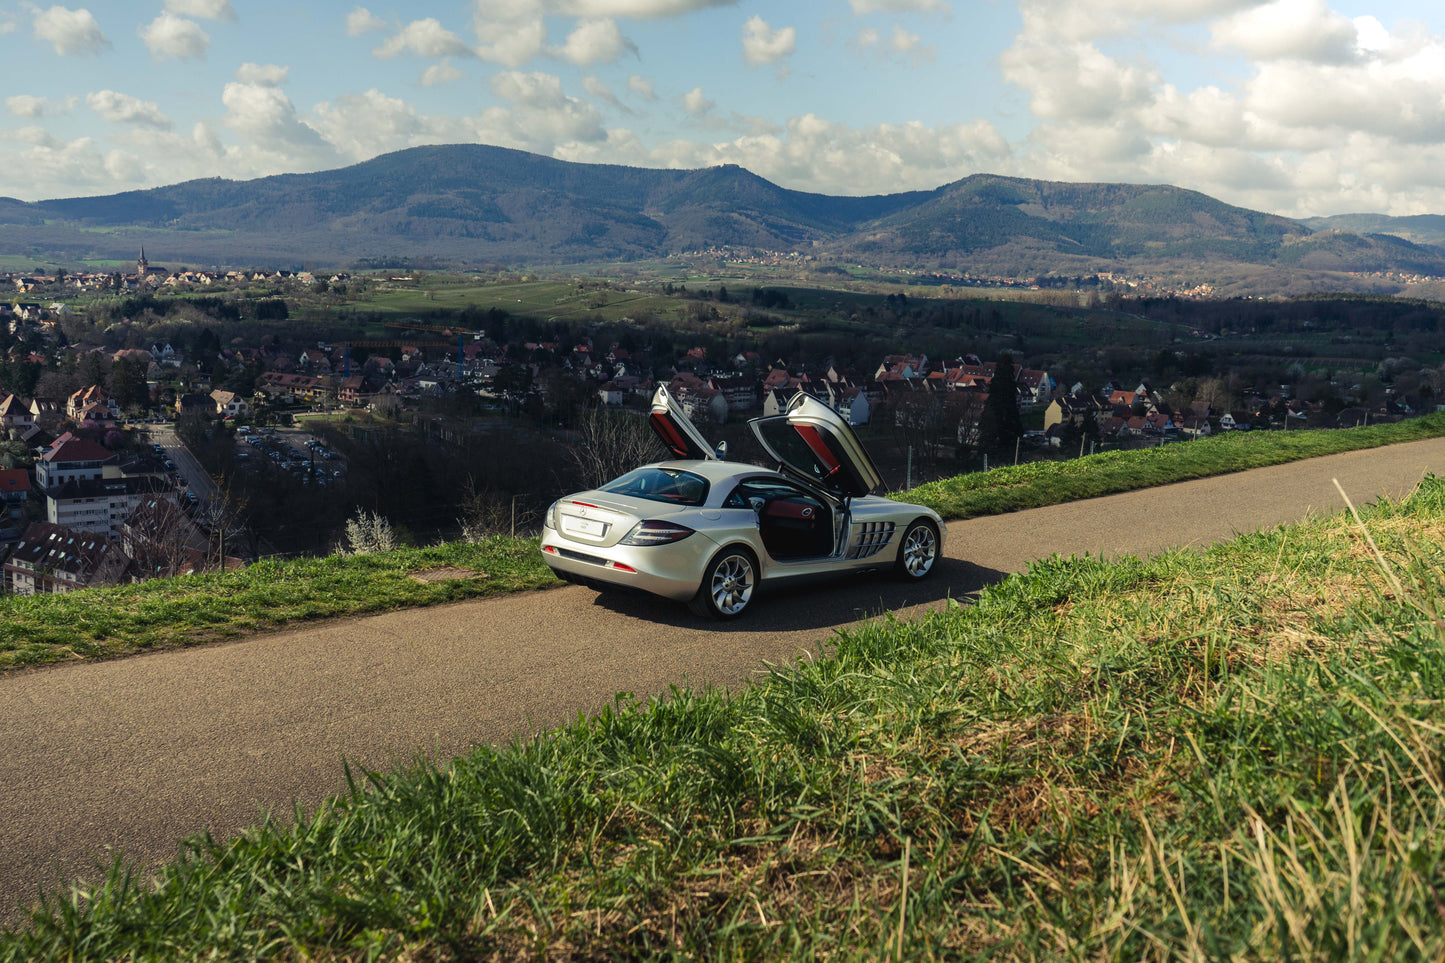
[[291, 450]]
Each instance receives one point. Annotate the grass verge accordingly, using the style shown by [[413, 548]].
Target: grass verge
[[1017, 487], [1228, 754], [107, 623], [104, 623]]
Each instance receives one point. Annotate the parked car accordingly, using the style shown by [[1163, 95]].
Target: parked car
[[710, 532]]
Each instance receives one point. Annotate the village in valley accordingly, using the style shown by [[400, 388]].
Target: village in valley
[[123, 463]]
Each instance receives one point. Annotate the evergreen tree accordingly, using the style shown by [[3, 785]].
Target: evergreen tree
[[128, 384], [1002, 425]]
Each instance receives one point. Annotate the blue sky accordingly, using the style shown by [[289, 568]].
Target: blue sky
[[1300, 107]]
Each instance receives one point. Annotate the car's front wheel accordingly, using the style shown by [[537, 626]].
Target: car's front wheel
[[727, 585], [918, 552]]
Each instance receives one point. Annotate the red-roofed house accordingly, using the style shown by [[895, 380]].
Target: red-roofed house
[[72, 458]]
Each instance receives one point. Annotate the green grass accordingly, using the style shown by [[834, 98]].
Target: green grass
[[1033, 485], [1228, 754], [105, 623]]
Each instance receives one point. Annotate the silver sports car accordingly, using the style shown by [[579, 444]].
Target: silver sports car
[[711, 532]]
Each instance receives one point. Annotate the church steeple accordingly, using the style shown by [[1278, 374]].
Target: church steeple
[[141, 264]]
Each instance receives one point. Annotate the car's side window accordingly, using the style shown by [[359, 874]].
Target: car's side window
[[755, 493]]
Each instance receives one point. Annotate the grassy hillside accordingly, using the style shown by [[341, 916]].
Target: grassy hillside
[[1228, 754]]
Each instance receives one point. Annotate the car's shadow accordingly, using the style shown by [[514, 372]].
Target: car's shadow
[[816, 605]]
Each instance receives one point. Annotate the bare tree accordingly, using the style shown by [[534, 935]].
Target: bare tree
[[162, 539], [609, 444], [487, 512]]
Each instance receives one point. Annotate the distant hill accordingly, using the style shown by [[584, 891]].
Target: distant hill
[[1419, 228], [477, 205]]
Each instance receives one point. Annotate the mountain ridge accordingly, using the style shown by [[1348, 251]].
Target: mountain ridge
[[477, 205]]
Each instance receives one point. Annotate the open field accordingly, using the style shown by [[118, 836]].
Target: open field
[[1228, 753]]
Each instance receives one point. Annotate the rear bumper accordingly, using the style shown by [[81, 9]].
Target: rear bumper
[[672, 571]]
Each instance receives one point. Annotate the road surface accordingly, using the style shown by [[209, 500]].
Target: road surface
[[136, 754]]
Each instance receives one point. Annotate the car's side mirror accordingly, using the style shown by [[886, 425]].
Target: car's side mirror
[[721, 451]]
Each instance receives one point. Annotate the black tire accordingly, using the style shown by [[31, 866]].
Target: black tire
[[917, 551], [727, 586]]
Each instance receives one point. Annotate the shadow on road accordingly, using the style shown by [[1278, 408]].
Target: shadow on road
[[820, 605]]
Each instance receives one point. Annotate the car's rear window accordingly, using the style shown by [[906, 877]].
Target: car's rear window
[[669, 485]]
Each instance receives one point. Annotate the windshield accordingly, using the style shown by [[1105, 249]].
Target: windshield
[[661, 485]]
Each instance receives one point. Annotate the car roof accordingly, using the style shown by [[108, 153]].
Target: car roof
[[715, 470]]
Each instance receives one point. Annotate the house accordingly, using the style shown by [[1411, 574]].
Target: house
[[698, 401], [94, 416], [740, 391], [1074, 408], [76, 404], [229, 404], [14, 490], [99, 504], [52, 559], [1195, 426], [904, 366], [15, 414], [850, 402], [287, 388], [610, 394], [72, 458]]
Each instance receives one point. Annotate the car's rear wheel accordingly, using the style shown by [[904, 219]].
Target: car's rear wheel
[[918, 552], [727, 585]]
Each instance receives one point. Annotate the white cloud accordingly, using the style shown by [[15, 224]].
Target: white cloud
[[6, 26], [764, 45], [361, 20], [266, 120], [598, 90], [1067, 21], [69, 31], [910, 47], [267, 75], [641, 86], [595, 42], [424, 38], [695, 103], [172, 36], [1289, 29], [27, 105], [862, 7], [631, 9], [1076, 80], [813, 154], [543, 114], [442, 73], [121, 108], [510, 43], [372, 123], [204, 9]]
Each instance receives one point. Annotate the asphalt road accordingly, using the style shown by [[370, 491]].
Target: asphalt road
[[132, 756]]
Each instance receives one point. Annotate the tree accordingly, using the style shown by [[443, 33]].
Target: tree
[[1002, 426], [92, 369], [128, 384], [609, 444]]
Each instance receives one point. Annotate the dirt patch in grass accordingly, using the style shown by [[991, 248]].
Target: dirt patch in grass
[[446, 574]]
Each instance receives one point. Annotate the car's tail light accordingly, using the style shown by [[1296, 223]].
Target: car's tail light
[[655, 533], [549, 520]]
